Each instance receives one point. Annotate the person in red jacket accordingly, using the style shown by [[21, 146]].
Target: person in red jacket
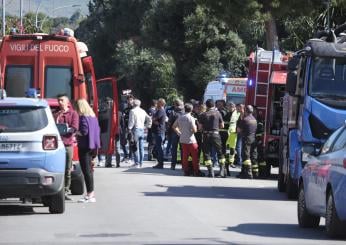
[[66, 114]]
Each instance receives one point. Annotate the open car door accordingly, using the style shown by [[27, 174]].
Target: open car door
[[90, 80], [107, 93]]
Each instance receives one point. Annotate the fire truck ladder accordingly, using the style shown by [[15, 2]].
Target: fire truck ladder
[[259, 92]]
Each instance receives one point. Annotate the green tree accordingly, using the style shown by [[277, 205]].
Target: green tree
[[149, 72]]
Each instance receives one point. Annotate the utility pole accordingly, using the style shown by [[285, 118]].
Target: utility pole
[[21, 16], [3, 18]]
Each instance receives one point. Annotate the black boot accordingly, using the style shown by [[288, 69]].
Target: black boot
[[227, 170], [241, 172], [210, 172], [247, 173], [172, 166]]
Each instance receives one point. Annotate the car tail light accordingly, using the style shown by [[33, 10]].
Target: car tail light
[[50, 142]]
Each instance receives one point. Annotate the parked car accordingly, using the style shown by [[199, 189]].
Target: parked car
[[32, 159], [322, 187]]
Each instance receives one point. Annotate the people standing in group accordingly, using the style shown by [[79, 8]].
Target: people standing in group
[[150, 138], [159, 129], [178, 110], [88, 138], [232, 135], [211, 121], [138, 121], [67, 115], [247, 127], [185, 127]]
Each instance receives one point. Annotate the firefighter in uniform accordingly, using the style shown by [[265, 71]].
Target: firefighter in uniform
[[232, 136], [211, 121], [221, 106], [247, 128]]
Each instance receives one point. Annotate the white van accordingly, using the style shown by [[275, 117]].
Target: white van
[[227, 89]]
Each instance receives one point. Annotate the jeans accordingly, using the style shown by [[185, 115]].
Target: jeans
[[159, 137], [68, 167], [238, 147], [169, 143], [138, 134]]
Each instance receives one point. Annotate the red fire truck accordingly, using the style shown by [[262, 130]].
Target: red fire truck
[[55, 64], [265, 91]]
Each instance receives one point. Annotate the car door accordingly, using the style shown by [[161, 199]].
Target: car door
[[337, 171], [107, 94], [317, 172]]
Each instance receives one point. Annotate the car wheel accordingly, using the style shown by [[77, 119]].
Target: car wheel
[[57, 202], [333, 223], [291, 188], [305, 219]]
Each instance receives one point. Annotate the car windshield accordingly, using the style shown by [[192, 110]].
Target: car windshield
[[22, 119], [328, 78]]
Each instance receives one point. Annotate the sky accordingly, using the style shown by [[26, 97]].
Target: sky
[[49, 7]]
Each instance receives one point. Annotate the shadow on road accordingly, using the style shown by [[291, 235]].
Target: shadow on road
[[11, 210], [250, 193], [179, 172], [280, 231]]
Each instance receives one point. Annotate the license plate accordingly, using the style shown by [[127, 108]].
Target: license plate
[[10, 147]]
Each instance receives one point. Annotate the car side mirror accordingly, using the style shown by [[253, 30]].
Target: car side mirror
[[291, 82], [62, 128], [313, 150]]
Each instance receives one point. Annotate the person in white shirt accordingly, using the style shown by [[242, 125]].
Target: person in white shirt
[[185, 126], [138, 121]]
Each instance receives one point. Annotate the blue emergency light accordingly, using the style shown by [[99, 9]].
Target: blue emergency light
[[32, 93]]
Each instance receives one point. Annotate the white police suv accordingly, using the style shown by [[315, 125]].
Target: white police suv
[[32, 154]]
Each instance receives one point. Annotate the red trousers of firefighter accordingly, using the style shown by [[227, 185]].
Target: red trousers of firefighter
[[190, 149]]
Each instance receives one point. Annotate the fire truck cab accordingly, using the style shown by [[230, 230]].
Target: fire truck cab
[[265, 91]]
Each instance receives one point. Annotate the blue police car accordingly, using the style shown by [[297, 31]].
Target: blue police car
[[322, 187], [32, 154]]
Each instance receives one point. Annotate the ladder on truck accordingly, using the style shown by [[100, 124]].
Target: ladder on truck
[[262, 84]]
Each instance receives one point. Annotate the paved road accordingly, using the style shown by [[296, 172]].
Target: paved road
[[149, 206]]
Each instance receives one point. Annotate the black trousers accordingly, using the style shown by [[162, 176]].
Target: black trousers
[[249, 149], [86, 166], [211, 140], [199, 139], [224, 137]]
